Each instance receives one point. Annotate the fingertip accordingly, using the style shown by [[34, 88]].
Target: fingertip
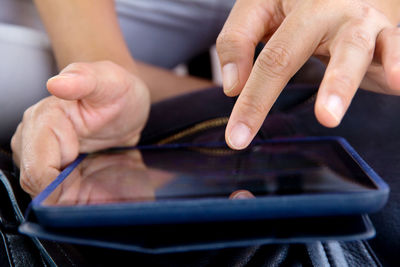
[[389, 54], [231, 93], [63, 86], [238, 136], [74, 82], [329, 112], [393, 78], [71, 86]]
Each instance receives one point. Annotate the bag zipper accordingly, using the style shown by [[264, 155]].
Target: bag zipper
[[202, 126], [199, 127], [220, 121]]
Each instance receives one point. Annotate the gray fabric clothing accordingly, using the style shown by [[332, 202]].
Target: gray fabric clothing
[[26, 63], [171, 32]]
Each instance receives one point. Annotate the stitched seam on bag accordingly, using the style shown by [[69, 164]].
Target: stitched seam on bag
[[195, 129], [44, 254], [328, 255], [371, 254], [7, 248], [43, 261], [65, 254], [19, 217], [10, 250]]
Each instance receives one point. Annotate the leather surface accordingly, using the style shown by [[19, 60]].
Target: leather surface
[[16, 249], [155, 239]]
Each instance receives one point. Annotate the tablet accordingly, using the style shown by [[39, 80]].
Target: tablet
[[194, 183]]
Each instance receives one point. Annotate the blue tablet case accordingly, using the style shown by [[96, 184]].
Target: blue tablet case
[[369, 200], [174, 237]]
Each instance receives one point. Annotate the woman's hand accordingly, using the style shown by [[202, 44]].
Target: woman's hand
[[94, 106], [358, 38]]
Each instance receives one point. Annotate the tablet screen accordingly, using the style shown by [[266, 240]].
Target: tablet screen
[[213, 171]]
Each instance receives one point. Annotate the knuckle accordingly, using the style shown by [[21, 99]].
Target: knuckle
[[361, 39], [42, 111], [274, 61], [365, 11], [253, 106], [27, 182], [230, 42], [226, 39], [343, 82], [359, 10]]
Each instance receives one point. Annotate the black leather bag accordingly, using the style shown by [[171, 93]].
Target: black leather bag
[[187, 119]]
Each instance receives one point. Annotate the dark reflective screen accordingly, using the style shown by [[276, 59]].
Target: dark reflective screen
[[204, 172]]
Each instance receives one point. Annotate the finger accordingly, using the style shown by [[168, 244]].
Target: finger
[[241, 194], [246, 25], [287, 50], [48, 144], [16, 145], [39, 169], [351, 54], [388, 46], [98, 83], [106, 97]]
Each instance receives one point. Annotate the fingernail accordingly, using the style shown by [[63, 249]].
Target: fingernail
[[240, 136], [230, 76], [63, 76], [334, 105], [67, 74]]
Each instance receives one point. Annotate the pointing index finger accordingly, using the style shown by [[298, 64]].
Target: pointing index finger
[[287, 50]]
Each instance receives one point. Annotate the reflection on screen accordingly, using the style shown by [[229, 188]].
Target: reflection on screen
[[211, 172]]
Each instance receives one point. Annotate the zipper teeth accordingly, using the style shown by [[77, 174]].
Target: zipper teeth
[[221, 121], [195, 129], [216, 151]]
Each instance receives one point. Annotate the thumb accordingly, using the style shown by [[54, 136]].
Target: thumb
[[91, 82]]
